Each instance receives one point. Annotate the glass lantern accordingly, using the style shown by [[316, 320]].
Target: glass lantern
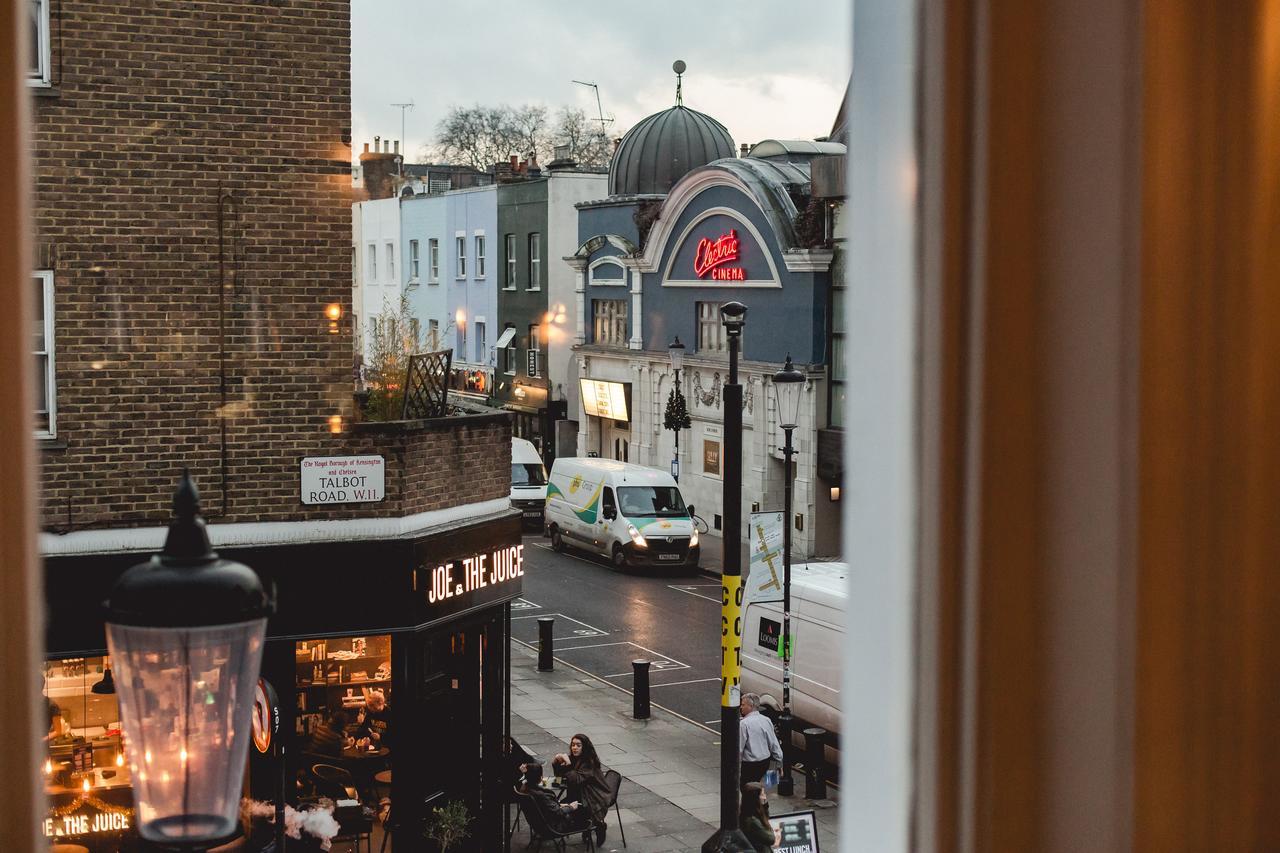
[[788, 383], [185, 632]]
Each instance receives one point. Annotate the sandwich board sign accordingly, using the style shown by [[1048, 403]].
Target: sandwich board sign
[[799, 832]]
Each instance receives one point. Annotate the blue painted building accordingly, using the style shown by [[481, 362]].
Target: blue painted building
[[688, 226], [423, 234], [470, 273]]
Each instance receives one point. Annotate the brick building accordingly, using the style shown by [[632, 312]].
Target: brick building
[[192, 207]]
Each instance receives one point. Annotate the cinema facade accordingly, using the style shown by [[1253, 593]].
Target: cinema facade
[[689, 226]]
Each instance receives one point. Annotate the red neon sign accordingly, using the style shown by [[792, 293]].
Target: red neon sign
[[715, 253]]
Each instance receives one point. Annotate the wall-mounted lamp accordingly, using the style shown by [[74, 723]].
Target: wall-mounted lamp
[[334, 312], [335, 424], [835, 494]]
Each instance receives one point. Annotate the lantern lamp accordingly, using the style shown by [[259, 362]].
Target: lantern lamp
[[185, 632], [787, 385], [676, 351]]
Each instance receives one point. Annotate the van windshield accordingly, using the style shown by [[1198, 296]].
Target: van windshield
[[658, 501], [528, 474]]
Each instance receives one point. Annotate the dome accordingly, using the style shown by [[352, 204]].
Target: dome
[[663, 148]]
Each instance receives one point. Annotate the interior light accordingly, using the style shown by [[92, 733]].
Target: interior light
[[835, 494]]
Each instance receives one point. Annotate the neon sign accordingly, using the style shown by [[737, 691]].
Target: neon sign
[[712, 255]]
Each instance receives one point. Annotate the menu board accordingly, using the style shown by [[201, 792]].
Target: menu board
[[604, 399], [711, 457], [799, 832]]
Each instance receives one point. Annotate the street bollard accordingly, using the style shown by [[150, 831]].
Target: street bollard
[[545, 663], [815, 774], [640, 689]]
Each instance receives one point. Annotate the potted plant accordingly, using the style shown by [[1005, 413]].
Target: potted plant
[[448, 825]]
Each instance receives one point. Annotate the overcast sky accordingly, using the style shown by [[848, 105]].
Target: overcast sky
[[763, 68]]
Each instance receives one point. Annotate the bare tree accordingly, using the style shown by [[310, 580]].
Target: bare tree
[[395, 335], [587, 141]]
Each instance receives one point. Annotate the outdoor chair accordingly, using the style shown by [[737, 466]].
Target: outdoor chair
[[540, 830], [614, 780]]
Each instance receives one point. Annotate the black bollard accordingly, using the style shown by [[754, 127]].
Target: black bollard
[[640, 689], [545, 663], [815, 773]]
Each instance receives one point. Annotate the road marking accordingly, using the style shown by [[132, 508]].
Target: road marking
[[656, 665], [688, 591], [590, 630], [675, 714], [690, 681], [524, 604], [596, 645]]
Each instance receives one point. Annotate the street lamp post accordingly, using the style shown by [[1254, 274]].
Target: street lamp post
[[788, 383], [675, 350], [185, 631], [729, 836]]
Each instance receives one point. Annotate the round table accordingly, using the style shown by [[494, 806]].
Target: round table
[[353, 754], [383, 778]]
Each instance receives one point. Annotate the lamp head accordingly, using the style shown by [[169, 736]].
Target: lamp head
[[734, 316], [676, 351], [787, 385]]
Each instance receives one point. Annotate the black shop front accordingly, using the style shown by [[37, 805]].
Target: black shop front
[[421, 620]]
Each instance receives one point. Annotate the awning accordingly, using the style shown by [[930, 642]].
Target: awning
[[504, 339]]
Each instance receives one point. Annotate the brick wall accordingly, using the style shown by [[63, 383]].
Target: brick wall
[[193, 187]]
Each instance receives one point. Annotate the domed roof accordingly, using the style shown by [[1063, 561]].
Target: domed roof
[[663, 148]]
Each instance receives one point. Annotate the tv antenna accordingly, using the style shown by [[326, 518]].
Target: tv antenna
[[679, 67], [403, 141], [604, 122]]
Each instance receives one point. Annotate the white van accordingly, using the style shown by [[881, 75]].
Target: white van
[[528, 482], [633, 515], [818, 597]]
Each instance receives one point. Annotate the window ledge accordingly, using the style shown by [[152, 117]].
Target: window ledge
[[533, 290], [51, 444], [44, 90]]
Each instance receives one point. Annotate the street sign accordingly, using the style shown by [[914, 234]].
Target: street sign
[[764, 579]]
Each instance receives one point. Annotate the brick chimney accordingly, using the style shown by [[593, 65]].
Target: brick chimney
[[379, 168]]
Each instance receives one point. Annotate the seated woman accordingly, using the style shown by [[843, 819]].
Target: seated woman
[[583, 776], [753, 818], [330, 737], [562, 818]]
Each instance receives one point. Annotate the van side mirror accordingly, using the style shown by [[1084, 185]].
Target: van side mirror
[[691, 510], [610, 513]]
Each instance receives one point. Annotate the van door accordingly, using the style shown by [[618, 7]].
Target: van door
[[606, 526]]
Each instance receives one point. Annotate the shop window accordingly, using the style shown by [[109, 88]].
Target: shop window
[[38, 53], [46, 389], [87, 771], [336, 680], [609, 324]]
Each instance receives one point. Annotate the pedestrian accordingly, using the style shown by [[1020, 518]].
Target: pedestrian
[[330, 737], [753, 819], [757, 741], [373, 723], [583, 776]]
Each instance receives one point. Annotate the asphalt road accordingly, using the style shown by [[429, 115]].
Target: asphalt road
[[605, 619]]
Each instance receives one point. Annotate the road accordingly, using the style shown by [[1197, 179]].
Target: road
[[605, 619]]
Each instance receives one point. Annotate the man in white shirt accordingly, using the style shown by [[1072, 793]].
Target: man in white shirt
[[757, 741]]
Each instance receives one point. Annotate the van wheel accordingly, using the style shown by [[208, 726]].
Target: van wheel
[[619, 557], [557, 541]]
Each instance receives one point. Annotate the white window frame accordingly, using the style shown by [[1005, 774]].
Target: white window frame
[[433, 261], [45, 277], [482, 345], [479, 246], [510, 283], [595, 281], [708, 319], [40, 76], [609, 315], [433, 334], [535, 261], [461, 349], [413, 260], [391, 261], [373, 262], [460, 243]]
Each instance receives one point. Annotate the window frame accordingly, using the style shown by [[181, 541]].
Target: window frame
[[373, 262], [535, 261], [600, 314], [45, 277], [391, 261], [433, 333], [413, 260], [460, 244], [535, 347], [478, 241], [433, 261], [482, 344], [721, 346], [511, 268], [40, 76]]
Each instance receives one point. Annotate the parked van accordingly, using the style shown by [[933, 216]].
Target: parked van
[[818, 597], [633, 515], [528, 482]]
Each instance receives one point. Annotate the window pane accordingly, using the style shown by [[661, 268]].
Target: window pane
[[38, 327], [42, 391], [37, 24]]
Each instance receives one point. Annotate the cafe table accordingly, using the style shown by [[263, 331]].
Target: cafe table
[[363, 764]]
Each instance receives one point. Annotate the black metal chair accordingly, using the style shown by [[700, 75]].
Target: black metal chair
[[337, 783], [613, 779], [540, 830]]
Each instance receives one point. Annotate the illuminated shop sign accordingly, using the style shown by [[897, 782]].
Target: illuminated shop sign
[[106, 818], [470, 574], [604, 399], [711, 256]]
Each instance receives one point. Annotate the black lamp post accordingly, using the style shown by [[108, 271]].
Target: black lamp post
[[675, 350], [729, 836], [185, 631], [788, 383]]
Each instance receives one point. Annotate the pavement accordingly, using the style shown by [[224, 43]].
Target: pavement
[[670, 793]]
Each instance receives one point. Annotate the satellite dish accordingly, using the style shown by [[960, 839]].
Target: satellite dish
[[678, 66]]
